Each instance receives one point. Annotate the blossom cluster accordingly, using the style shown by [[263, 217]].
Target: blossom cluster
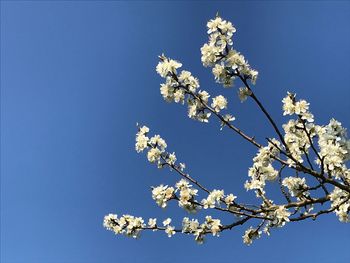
[[262, 168], [169, 230], [132, 226], [126, 224], [155, 144], [177, 86], [276, 216], [335, 149], [183, 87], [297, 140], [210, 225], [250, 235], [279, 217], [162, 194], [216, 197], [299, 132], [213, 198], [220, 33], [219, 103], [332, 138], [300, 108], [341, 202], [297, 186], [183, 192], [186, 195], [244, 93], [219, 54], [156, 149]]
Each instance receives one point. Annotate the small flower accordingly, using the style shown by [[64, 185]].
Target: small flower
[[244, 93], [251, 234], [227, 118], [179, 96], [204, 96], [229, 199], [167, 66], [213, 198], [141, 142], [219, 103], [157, 141], [219, 72], [215, 227], [141, 139], [171, 158], [152, 222], [153, 155], [296, 186], [182, 166], [288, 104], [281, 216], [162, 194], [170, 230], [167, 222]]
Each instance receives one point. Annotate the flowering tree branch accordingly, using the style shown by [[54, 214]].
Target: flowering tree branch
[[317, 154]]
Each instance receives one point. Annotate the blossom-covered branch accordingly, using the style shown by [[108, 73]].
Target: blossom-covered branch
[[308, 160]]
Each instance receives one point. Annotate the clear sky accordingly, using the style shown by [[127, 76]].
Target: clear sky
[[76, 76]]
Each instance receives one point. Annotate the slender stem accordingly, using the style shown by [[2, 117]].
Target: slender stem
[[253, 96]]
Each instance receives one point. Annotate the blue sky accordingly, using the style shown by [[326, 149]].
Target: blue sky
[[76, 76]]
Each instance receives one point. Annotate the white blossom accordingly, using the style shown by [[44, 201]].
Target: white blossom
[[189, 226], [128, 225], [229, 199], [213, 198], [196, 108], [280, 216], [170, 230], [219, 103], [108, 221], [171, 158], [179, 96], [288, 104], [334, 146], [262, 168], [182, 166], [244, 93], [157, 141], [186, 79], [341, 202], [186, 195], [162, 194], [153, 155], [219, 71], [227, 118], [224, 26], [141, 142], [209, 54], [167, 66], [167, 91], [141, 139], [214, 225], [300, 108], [296, 138], [251, 234], [152, 222], [167, 222], [296, 186], [218, 53]]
